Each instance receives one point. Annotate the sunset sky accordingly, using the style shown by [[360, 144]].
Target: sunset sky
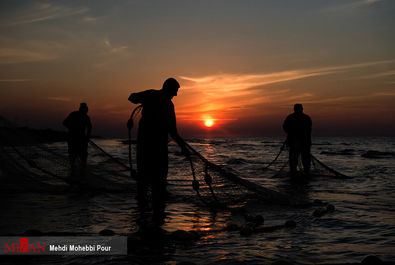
[[242, 64]]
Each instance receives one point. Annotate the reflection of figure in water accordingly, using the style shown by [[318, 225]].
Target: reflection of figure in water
[[298, 128], [79, 125], [157, 121]]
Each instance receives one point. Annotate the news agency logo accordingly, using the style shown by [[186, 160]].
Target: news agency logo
[[76, 245], [23, 246]]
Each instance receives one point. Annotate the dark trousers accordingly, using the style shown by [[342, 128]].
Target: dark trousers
[[158, 190], [78, 148], [152, 168], [296, 150]]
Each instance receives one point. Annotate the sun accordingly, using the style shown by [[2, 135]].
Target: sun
[[208, 123]]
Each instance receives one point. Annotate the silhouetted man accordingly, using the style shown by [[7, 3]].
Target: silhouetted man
[[79, 125], [158, 120], [298, 128]]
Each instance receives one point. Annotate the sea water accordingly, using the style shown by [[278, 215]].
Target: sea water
[[362, 224]]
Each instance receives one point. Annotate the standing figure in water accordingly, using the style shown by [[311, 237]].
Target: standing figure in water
[[79, 125], [158, 120], [298, 128]]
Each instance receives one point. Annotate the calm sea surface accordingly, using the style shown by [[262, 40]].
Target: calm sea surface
[[362, 224]]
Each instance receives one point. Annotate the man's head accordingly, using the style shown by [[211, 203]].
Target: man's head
[[170, 87], [83, 107], [298, 108]]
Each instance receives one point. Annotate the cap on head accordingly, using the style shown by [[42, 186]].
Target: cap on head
[[298, 108], [171, 86], [83, 107]]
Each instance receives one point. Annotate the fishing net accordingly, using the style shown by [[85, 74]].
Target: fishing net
[[221, 186], [30, 163], [320, 169], [218, 186]]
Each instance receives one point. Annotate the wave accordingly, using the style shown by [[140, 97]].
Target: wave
[[127, 141], [322, 143], [378, 154], [236, 161], [345, 152]]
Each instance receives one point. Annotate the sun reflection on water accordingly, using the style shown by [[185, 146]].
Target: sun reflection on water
[[191, 218]]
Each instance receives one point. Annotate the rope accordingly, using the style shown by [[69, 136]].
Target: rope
[[34, 165], [275, 159], [195, 183], [207, 177], [29, 173], [209, 180], [31, 163], [107, 154], [130, 152], [262, 191], [130, 126], [328, 168]]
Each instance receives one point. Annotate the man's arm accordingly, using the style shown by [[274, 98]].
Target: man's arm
[[88, 128], [310, 125], [173, 131], [139, 97], [286, 125], [66, 122], [136, 98]]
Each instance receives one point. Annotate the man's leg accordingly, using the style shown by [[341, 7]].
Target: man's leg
[[142, 190], [71, 151], [159, 192], [159, 200], [143, 175], [84, 153], [306, 159], [79, 167], [293, 159], [72, 158]]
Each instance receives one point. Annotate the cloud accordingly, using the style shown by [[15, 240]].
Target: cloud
[[15, 80], [353, 98], [219, 95], [368, 2], [350, 5], [239, 83], [111, 54], [43, 12], [89, 19], [113, 49], [378, 75], [21, 55], [19, 50], [60, 99]]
